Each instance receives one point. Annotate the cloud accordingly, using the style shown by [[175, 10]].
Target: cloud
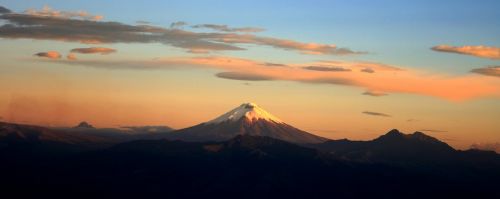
[[198, 51], [362, 66], [478, 51], [177, 24], [242, 76], [306, 48], [47, 11], [93, 50], [490, 71], [142, 22], [433, 131], [71, 56], [389, 80], [375, 114], [487, 146], [49, 54], [4, 10], [375, 93], [225, 28], [326, 69], [49, 24], [367, 70], [274, 65]]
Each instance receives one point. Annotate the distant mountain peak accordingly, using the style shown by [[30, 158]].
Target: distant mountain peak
[[250, 111], [246, 119], [84, 124], [394, 132]]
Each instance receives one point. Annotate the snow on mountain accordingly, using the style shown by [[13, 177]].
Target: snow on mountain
[[250, 111], [246, 119]]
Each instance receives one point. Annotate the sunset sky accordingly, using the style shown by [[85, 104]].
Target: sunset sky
[[338, 69]]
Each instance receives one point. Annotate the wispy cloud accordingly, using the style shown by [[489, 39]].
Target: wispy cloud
[[274, 64], [142, 22], [93, 50], [47, 11], [49, 54], [487, 146], [242, 76], [177, 24], [326, 69], [390, 80], [48, 24], [71, 56], [367, 70], [225, 28], [490, 71], [375, 93], [433, 130], [376, 114], [478, 51]]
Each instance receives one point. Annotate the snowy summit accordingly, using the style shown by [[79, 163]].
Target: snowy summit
[[250, 111]]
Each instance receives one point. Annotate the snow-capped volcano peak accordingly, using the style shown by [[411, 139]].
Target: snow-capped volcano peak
[[250, 111]]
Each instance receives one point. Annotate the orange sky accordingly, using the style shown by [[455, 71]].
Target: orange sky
[[326, 80]]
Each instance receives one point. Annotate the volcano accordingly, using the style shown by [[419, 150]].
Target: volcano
[[246, 119]]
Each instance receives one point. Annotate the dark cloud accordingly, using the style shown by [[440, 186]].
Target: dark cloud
[[4, 10], [326, 69], [375, 93], [178, 24], [274, 65], [305, 48], [49, 54], [330, 80], [412, 120], [92, 50], [367, 70], [86, 31], [490, 71], [225, 28], [243, 76], [74, 29], [376, 114]]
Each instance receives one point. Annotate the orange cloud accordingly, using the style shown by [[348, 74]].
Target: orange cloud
[[49, 54], [478, 51], [92, 50], [71, 56], [387, 79], [47, 11]]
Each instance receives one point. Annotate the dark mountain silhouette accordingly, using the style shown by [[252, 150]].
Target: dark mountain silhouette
[[393, 146], [246, 166], [17, 134], [84, 125], [247, 119], [56, 163]]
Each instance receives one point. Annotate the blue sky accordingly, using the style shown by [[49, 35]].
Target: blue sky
[[393, 31]]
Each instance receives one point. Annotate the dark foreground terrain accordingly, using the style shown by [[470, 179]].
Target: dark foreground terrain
[[40, 162]]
